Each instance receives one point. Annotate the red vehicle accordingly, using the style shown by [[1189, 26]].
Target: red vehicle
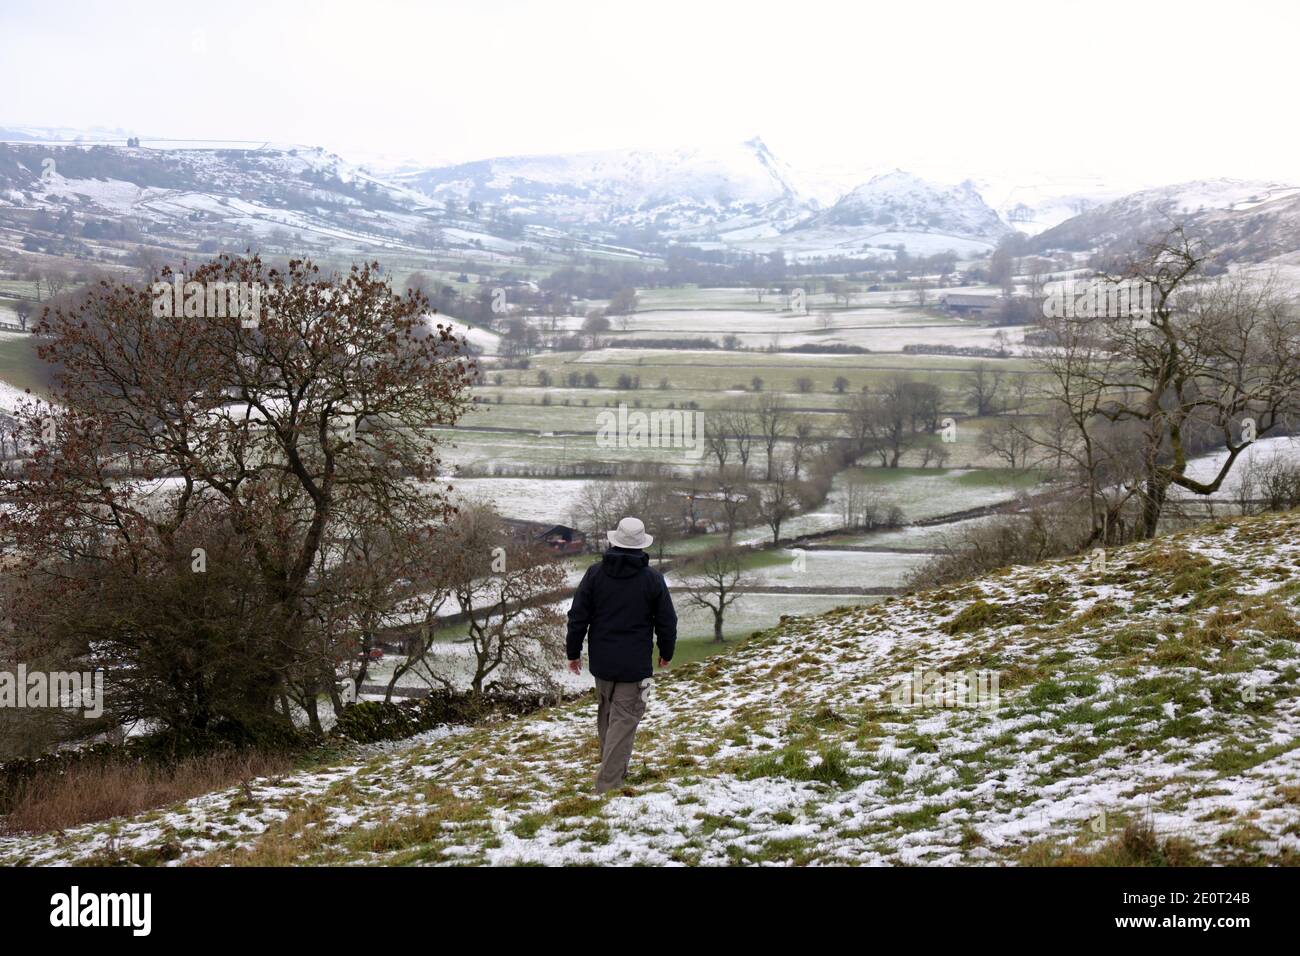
[[375, 655]]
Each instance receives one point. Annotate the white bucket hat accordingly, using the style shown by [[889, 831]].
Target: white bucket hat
[[630, 533]]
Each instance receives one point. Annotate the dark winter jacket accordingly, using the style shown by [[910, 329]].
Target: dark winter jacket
[[620, 603]]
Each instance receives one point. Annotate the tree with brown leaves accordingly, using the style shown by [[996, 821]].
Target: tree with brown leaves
[[188, 433]]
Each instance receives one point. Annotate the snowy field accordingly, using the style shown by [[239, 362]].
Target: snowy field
[[11, 397], [527, 499], [1263, 451], [774, 320], [875, 337], [846, 569]]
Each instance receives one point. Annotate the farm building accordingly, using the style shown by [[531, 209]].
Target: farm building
[[564, 540], [966, 303]]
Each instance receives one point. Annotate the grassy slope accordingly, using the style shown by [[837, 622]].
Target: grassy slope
[[1162, 690], [19, 365]]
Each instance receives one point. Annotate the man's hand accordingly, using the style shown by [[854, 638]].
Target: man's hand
[[575, 667], [662, 662]]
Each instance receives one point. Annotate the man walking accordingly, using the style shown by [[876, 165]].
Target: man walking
[[619, 605]]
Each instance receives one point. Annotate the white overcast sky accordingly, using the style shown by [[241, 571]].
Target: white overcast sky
[[1138, 89]]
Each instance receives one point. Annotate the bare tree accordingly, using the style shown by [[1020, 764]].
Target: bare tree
[[770, 418], [1007, 441], [736, 499], [1268, 484], [717, 439], [1214, 358], [982, 388], [886, 423], [802, 441], [35, 276], [382, 579], [622, 305], [662, 507], [515, 639], [599, 507], [713, 581], [921, 289], [1070, 438], [1021, 387], [23, 309], [863, 506], [738, 422], [595, 325], [777, 502]]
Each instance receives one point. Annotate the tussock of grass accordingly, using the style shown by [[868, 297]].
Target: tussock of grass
[[790, 764], [981, 614], [1137, 845]]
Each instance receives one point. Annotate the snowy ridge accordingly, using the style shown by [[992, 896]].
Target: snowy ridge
[[737, 196], [897, 208], [902, 201], [678, 187], [1160, 690], [1139, 215], [300, 199]]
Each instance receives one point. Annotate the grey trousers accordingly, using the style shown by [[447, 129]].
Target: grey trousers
[[619, 709]]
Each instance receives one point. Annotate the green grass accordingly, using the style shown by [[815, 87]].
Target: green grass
[[694, 649], [999, 478], [19, 365]]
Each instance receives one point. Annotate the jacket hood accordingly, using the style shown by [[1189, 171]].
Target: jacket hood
[[623, 564]]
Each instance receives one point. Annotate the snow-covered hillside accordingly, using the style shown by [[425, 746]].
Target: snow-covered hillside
[[1146, 712], [1221, 203], [737, 196], [901, 208], [741, 196], [672, 188], [281, 198]]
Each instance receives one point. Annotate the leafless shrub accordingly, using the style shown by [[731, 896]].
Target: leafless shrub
[[1043, 532]]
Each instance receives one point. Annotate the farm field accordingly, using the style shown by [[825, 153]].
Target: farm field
[[827, 568], [520, 430], [878, 330], [18, 363], [720, 358], [920, 493], [518, 425], [924, 537]]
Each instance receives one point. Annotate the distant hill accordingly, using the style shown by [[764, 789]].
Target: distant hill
[[93, 202], [670, 189], [1243, 220], [898, 208], [740, 197]]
